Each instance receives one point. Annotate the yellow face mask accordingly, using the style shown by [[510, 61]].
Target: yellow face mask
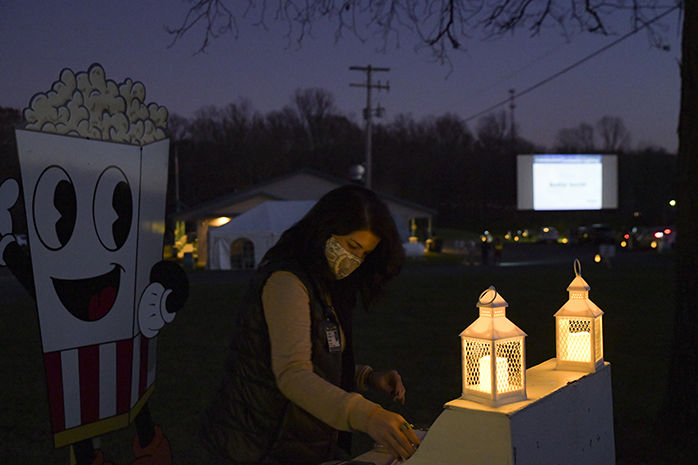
[[342, 262]]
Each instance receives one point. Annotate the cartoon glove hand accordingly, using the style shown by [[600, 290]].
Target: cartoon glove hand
[[162, 298], [152, 310]]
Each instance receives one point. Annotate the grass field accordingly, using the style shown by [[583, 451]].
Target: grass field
[[416, 332]]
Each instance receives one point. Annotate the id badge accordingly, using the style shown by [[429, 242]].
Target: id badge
[[332, 332]]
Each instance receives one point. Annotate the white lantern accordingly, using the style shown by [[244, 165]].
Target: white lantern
[[494, 362], [578, 329]]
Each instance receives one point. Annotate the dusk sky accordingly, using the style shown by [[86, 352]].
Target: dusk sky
[[632, 80]]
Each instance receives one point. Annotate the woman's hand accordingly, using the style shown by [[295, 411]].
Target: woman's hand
[[393, 432], [389, 382]]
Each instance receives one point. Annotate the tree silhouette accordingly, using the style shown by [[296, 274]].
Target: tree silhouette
[[579, 139], [614, 135]]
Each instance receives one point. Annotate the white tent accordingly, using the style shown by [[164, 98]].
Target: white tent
[[261, 225]]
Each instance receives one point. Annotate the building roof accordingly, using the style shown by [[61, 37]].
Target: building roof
[[304, 184]]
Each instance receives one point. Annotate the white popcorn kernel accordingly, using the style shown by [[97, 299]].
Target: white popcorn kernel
[[87, 104]]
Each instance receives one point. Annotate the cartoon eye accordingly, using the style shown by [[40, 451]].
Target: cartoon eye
[[54, 208], [112, 208]]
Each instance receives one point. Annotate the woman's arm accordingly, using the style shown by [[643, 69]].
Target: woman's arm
[[286, 309]]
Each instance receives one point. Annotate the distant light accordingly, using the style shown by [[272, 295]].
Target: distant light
[[597, 258], [357, 172], [564, 240], [546, 230], [654, 244], [219, 221], [516, 239], [626, 236], [672, 202], [623, 243], [636, 214], [659, 234], [667, 231]]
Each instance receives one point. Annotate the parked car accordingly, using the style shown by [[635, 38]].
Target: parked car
[[547, 234], [591, 234], [652, 237]]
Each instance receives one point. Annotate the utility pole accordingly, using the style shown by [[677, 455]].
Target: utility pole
[[512, 105], [369, 112]]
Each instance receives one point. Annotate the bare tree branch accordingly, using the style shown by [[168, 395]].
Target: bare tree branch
[[439, 25], [216, 17]]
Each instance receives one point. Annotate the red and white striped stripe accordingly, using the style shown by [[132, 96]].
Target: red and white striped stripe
[[92, 383]]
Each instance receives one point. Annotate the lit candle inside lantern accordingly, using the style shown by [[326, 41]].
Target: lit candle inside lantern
[[579, 347], [486, 374]]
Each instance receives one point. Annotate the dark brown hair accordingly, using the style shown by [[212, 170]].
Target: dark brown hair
[[342, 211]]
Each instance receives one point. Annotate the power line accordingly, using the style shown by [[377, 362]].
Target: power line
[[571, 67], [497, 84]]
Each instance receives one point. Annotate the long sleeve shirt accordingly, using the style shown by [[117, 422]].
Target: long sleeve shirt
[[286, 310]]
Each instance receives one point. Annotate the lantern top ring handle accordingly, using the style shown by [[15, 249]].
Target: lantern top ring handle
[[577, 267], [494, 295]]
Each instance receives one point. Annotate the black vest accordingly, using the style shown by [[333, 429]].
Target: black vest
[[249, 419]]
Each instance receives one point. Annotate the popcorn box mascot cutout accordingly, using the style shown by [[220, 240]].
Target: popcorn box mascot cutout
[[94, 168]]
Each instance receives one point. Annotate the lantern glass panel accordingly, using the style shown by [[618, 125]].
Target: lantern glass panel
[[510, 376], [599, 338], [575, 339], [474, 352]]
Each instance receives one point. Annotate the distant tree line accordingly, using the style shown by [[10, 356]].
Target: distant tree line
[[468, 177], [438, 162]]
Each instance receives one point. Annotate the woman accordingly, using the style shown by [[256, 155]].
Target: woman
[[289, 382]]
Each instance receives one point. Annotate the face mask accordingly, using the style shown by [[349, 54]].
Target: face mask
[[341, 261]]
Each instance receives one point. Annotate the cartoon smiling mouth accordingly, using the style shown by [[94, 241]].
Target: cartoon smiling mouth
[[89, 299]]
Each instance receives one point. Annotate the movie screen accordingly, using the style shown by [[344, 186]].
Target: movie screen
[[552, 182]]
